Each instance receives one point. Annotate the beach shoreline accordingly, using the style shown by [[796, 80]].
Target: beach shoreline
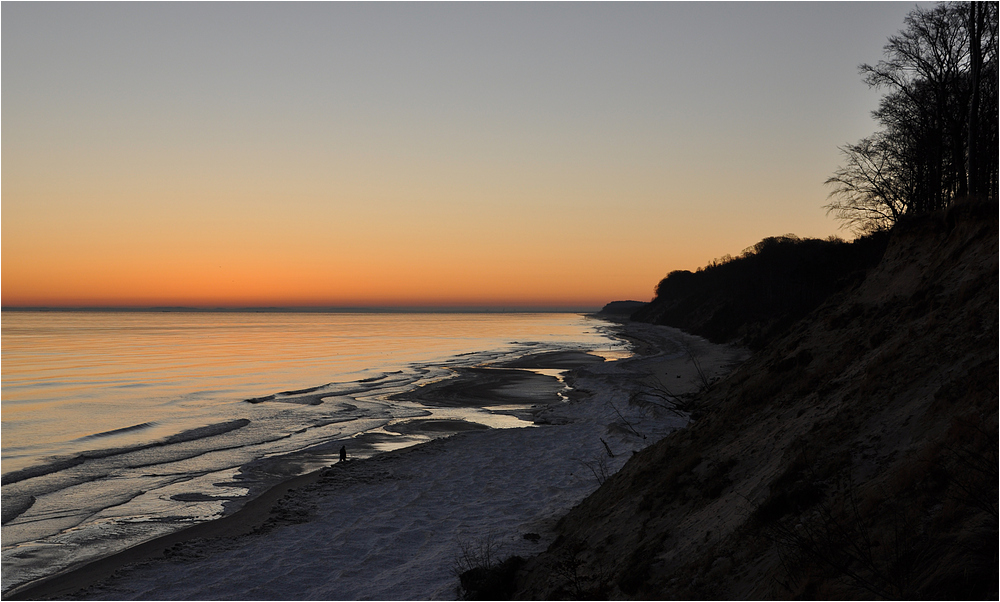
[[666, 355]]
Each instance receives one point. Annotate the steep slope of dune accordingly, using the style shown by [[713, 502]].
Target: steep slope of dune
[[855, 456]]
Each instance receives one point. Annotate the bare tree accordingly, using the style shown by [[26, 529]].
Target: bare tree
[[870, 191], [938, 115]]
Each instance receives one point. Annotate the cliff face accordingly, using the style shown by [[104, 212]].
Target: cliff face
[[855, 456]]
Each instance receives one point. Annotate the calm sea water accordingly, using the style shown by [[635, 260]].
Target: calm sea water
[[118, 427]]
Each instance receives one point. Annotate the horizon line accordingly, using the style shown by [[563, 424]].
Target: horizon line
[[310, 309]]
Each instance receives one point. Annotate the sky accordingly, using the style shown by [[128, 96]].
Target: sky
[[382, 154]]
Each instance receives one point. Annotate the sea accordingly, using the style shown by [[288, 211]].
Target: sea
[[118, 427]]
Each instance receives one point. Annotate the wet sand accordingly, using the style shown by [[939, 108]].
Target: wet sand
[[411, 427], [486, 387]]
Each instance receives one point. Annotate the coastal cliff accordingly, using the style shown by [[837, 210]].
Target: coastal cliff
[[854, 455]]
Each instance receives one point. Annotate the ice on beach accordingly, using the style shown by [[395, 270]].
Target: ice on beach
[[392, 526]]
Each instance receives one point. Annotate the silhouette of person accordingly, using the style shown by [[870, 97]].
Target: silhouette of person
[[343, 453]]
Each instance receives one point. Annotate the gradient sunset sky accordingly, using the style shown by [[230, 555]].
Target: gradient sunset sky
[[415, 154]]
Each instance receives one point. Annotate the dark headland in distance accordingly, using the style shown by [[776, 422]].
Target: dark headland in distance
[[621, 308]]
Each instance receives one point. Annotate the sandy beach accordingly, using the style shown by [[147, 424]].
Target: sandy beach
[[393, 526]]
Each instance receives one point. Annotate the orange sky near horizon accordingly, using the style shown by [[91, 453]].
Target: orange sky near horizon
[[414, 155], [502, 256]]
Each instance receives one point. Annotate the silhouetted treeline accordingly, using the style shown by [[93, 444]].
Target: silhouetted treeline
[[938, 137], [752, 298]]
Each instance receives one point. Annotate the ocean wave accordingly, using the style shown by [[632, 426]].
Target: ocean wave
[[316, 395], [382, 376], [14, 506], [57, 464], [127, 429], [304, 391]]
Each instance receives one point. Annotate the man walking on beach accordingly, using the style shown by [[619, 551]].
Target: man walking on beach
[[343, 453]]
